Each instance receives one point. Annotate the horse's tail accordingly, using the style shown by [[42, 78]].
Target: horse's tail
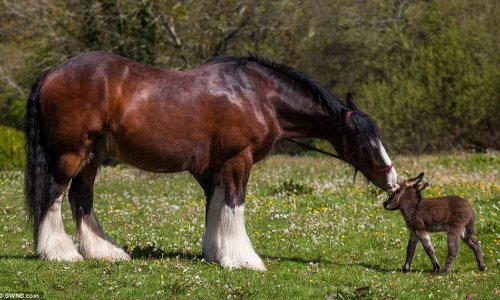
[[36, 179]]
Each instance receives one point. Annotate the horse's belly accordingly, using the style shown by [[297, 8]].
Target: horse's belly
[[161, 155]]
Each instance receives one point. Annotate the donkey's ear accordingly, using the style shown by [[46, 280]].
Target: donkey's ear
[[422, 186], [349, 99], [412, 182]]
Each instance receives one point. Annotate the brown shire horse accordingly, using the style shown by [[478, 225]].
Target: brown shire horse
[[214, 121]]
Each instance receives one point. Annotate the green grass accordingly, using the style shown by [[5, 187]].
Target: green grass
[[320, 235]]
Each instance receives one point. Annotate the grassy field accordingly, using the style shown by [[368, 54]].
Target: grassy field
[[321, 236]]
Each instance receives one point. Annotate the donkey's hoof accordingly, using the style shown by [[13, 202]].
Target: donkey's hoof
[[482, 268], [437, 269], [405, 270]]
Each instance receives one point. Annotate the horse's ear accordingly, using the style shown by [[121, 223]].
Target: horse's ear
[[349, 99], [412, 182]]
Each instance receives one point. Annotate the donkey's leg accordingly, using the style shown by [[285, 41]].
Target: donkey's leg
[[410, 251], [52, 242], [226, 239], [453, 249], [471, 241], [93, 241], [424, 237]]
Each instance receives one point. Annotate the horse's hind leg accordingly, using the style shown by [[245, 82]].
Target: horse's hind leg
[[226, 240], [93, 241], [52, 241]]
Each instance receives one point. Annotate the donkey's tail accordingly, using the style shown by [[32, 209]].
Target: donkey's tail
[[36, 178], [470, 229]]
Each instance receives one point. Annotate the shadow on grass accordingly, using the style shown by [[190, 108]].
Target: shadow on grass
[[380, 269], [300, 260], [151, 252], [20, 257], [377, 268]]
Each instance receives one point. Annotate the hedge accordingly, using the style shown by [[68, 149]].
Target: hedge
[[12, 153]]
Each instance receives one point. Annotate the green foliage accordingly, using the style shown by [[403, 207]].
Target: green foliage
[[294, 188], [12, 110], [12, 154], [427, 71], [443, 94]]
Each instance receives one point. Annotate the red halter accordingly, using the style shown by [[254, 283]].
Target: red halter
[[386, 169], [346, 156]]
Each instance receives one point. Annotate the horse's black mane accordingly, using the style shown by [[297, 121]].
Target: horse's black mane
[[366, 127], [321, 95]]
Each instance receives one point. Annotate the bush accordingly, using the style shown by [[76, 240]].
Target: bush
[[442, 92], [12, 153]]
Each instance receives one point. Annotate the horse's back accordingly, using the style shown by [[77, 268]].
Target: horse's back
[[156, 119]]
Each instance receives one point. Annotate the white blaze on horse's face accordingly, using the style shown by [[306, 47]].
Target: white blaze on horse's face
[[385, 180]]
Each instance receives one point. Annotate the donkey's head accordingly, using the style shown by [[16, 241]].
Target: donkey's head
[[363, 149], [408, 190]]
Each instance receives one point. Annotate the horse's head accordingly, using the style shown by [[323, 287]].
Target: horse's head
[[361, 147]]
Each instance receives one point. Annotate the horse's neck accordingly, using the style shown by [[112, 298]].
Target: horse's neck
[[301, 117]]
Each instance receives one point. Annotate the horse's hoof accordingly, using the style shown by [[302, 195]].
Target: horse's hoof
[[482, 268], [66, 256], [57, 247], [254, 264], [110, 253], [120, 255]]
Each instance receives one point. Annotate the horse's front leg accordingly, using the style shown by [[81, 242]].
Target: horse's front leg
[[93, 242], [226, 240]]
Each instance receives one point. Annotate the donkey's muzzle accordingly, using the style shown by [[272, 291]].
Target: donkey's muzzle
[[392, 187]]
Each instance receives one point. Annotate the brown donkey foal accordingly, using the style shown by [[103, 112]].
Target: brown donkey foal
[[423, 215]]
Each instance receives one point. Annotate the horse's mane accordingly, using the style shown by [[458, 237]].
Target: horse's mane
[[366, 127], [300, 80]]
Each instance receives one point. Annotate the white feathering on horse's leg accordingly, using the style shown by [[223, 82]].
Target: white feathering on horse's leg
[[94, 243], [53, 242], [236, 248], [226, 240], [211, 240]]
